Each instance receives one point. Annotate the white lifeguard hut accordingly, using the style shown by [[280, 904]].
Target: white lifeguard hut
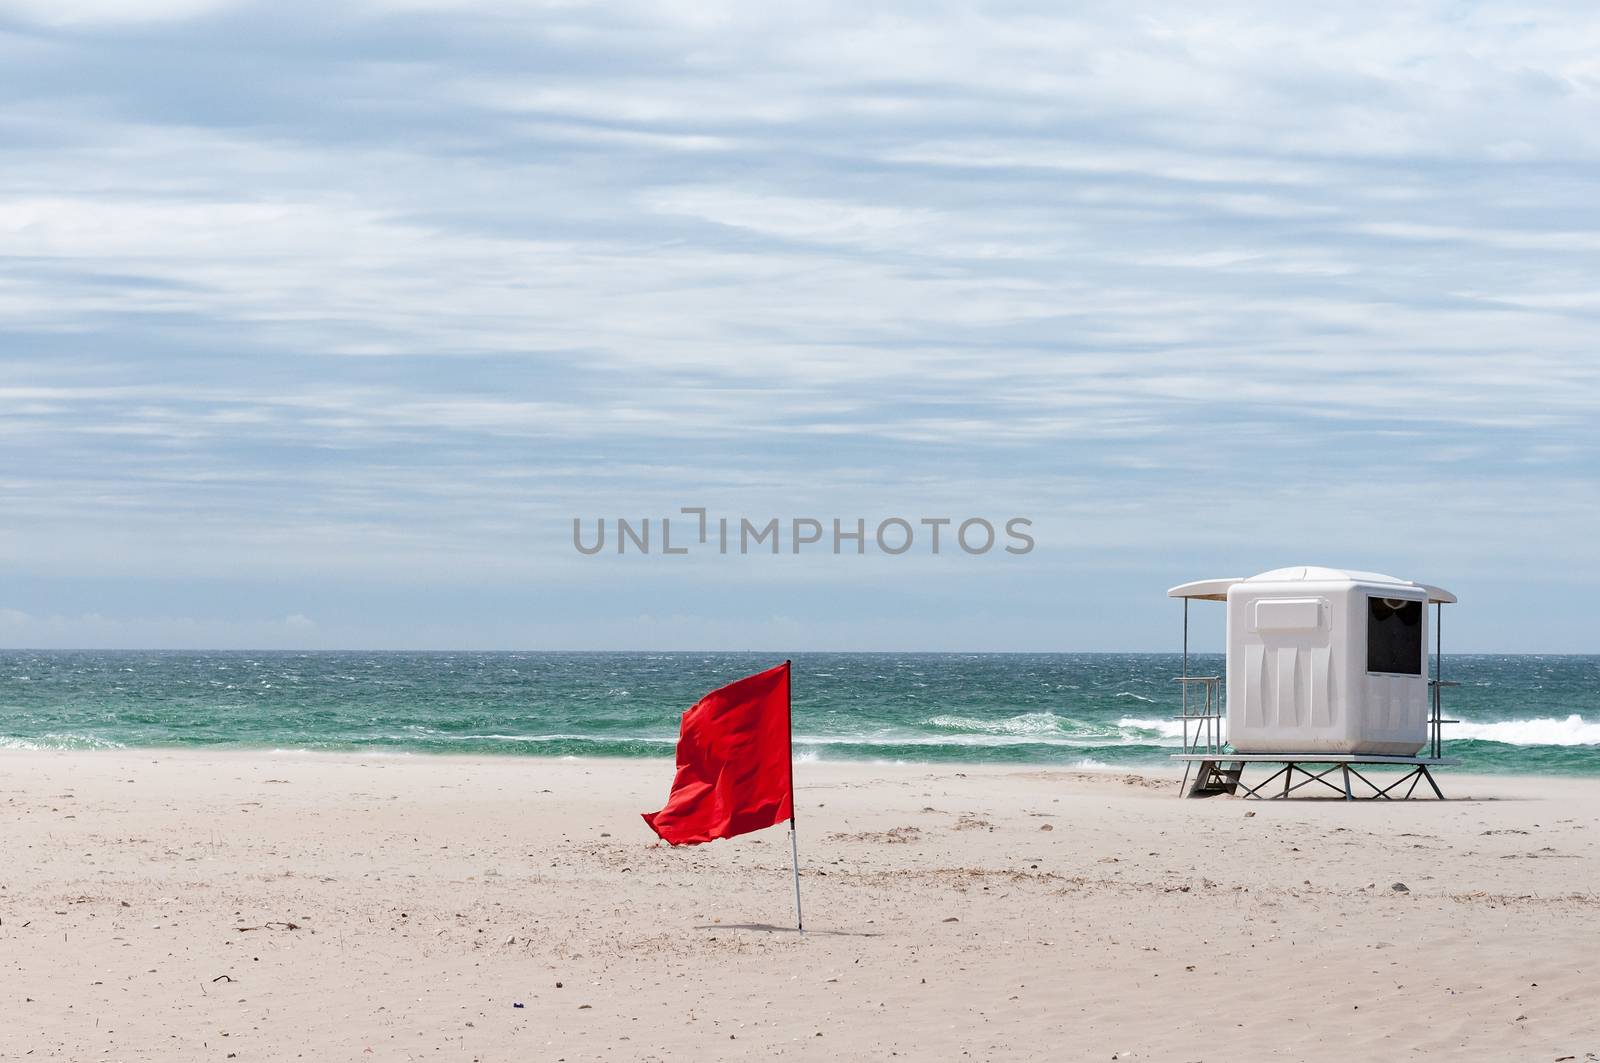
[[1325, 667]]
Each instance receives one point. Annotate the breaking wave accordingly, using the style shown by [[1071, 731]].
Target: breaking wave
[[59, 741], [1543, 731], [1047, 728]]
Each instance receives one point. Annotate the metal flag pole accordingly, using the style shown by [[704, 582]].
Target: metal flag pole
[[794, 841]]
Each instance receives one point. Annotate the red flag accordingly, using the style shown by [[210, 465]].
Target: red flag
[[735, 763]]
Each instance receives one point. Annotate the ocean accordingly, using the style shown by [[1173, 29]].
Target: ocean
[[1519, 713]]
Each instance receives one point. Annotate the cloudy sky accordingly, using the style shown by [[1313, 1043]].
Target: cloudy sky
[[319, 323]]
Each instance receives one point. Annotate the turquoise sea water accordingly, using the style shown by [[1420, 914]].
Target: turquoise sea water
[[1520, 713]]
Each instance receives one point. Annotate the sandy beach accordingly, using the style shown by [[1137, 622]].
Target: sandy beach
[[157, 905]]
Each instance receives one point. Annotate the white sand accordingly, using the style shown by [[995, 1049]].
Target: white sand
[[164, 906]]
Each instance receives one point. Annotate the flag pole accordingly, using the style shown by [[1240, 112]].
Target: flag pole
[[794, 841]]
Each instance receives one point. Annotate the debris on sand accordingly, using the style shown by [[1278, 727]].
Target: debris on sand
[[893, 836]]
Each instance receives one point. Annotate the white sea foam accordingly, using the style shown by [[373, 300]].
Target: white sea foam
[[1543, 731], [1170, 729], [1029, 723], [1029, 728], [974, 741], [1049, 729], [59, 741], [555, 738]]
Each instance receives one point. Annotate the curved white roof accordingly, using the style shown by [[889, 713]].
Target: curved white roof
[[1296, 573], [1212, 590], [1216, 590]]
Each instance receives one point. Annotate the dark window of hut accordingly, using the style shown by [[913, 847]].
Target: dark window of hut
[[1394, 636]]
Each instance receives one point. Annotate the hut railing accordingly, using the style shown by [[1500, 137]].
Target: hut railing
[[1201, 715]]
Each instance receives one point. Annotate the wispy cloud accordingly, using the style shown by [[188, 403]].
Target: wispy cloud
[[388, 292], [89, 13]]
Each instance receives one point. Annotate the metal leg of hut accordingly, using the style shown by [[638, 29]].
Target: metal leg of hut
[[1213, 778]]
